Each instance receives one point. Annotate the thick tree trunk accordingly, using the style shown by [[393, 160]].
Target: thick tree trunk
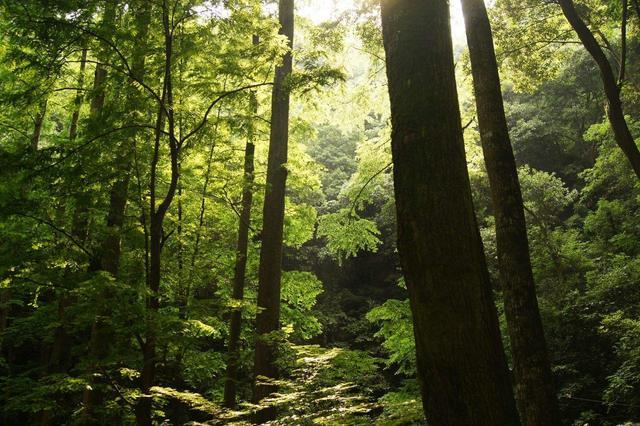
[[461, 363], [240, 266], [268, 318], [535, 391], [621, 131]]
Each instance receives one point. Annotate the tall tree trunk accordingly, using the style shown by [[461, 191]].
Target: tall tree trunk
[[148, 347], [5, 292], [462, 368], [107, 258], [83, 198], [621, 131], [157, 213], [5, 300], [58, 359], [268, 317], [535, 391], [233, 351]]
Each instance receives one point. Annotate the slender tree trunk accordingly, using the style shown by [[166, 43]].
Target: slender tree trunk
[[268, 318], [157, 213], [241, 265], [108, 260], [535, 391], [73, 128], [5, 300], [621, 131], [461, 364], [183, 295], [53, 360], [38, 122], [83, 198], [5, 292], [59, 354], [144, 406], [108, 256]]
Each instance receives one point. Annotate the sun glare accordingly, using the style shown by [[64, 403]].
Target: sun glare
[[323, 10]]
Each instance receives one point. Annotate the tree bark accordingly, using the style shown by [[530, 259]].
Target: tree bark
[[535, 391], [241, 263], [461, 363], [269, 275], [615, 112]]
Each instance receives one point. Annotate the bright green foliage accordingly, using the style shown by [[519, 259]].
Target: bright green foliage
[[403, 406], [396, 330], [348, 235], [624, 383], [299, 293], [340, 261], [328, 387]]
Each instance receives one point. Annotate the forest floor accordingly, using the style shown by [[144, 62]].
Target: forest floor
[[319, 393]]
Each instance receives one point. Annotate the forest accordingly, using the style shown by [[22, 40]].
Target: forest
[[319, 212]]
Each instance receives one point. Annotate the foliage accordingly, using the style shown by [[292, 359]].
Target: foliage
[[348, 235], [346, 347], [396, 330]]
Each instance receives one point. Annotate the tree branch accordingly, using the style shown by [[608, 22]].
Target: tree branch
[[57, 229], [357, 197], [214, 102]]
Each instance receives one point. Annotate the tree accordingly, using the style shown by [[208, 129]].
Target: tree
[[535, 391], [612, 85], [270, 270], [157, 214], [107, 258], [461, 364], [240, 268]]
